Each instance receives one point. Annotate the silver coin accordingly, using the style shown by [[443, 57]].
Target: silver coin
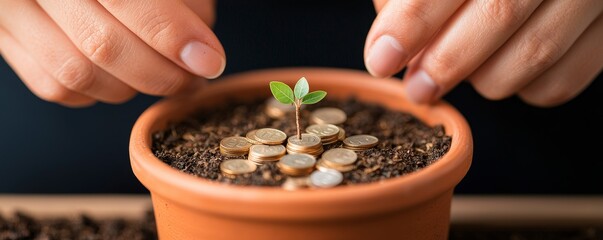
[[326, 178]]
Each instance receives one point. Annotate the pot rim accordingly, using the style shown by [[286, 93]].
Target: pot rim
[[252, 201]]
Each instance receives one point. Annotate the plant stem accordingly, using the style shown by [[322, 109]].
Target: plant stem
[[297, 107]]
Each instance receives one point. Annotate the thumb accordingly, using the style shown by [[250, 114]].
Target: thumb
[[175, 31]]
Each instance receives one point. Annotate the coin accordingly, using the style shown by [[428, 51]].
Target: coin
[[341, 134], [307, 140], [295, 183], [270, 136], [297, 164], [360, 142], [259, 154], [251, 137], [339, 156], [234, 146], [326, 178], [328, 116], [322, 165], [328, 133], [237, 166]]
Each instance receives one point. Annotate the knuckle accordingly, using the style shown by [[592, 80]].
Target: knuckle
[[159, 28], [101, 45], [53, 93], [443, 63], [504, 13], [550, 97], [540, 52], [76, 74], [491, 92]]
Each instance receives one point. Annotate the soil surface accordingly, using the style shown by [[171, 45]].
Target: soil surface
[[405, 143], [23, 226]]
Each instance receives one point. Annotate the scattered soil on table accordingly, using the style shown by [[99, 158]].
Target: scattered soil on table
[[23, 226], [405, 143]]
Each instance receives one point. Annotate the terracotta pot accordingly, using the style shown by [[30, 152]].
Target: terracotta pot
[[415, 206]]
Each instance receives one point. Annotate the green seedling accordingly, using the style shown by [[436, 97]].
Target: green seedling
[[300, 95]]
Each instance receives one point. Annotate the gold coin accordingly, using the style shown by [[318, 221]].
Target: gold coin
[[341, 134], [237, 166], [265, 151], [322, 165], [328, 116], [307, 140], [235, 144], [276, 109], [323, 130], [298, 161], [339, 156], [358, 142], [270, 136], [251, 137]]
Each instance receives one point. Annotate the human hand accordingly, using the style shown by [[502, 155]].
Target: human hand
[[546, 52], [78, 52]]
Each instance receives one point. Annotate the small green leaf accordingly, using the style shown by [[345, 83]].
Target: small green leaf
[[314, 97], [301, 88], [282, 92]]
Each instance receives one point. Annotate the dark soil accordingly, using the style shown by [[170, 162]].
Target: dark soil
[[405, 143], [23, 226]]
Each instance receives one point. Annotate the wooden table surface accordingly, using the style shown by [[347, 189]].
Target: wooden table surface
[[467, 210]]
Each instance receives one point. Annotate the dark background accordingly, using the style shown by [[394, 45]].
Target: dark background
[[519, 149]]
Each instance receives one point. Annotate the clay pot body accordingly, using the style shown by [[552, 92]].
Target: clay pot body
[[414, 206]]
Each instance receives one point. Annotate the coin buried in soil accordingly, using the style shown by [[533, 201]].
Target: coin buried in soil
[[237, 166], [235, 143], [323, 130], [360, 142], [270, 136], [339, 156], [326, 178], [328, 116]]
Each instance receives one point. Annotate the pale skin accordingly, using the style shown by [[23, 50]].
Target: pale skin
[[76, 53]]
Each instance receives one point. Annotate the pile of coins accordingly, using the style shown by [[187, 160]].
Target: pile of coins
[[328, 133], [340, 159], [298, 159], [308, 144]]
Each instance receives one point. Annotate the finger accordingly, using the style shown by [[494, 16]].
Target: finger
[[473, 34], [111, 46], [572, 73], [537, 45], [175, 31], [35, 31], [400, 30], [35, 78], [205, 9]]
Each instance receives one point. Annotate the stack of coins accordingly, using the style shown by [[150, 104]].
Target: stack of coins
[[360, 142], [260, 154], [270, 136], [326, 178], [328, 116], [297, 164], [340, 159], [328, 133], [234, 146], [341, 134], [233, 167], [276, 109], [309, 144]]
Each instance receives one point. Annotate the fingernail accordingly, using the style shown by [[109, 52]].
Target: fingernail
[[420, 87], [203, 60], [385, 57]]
